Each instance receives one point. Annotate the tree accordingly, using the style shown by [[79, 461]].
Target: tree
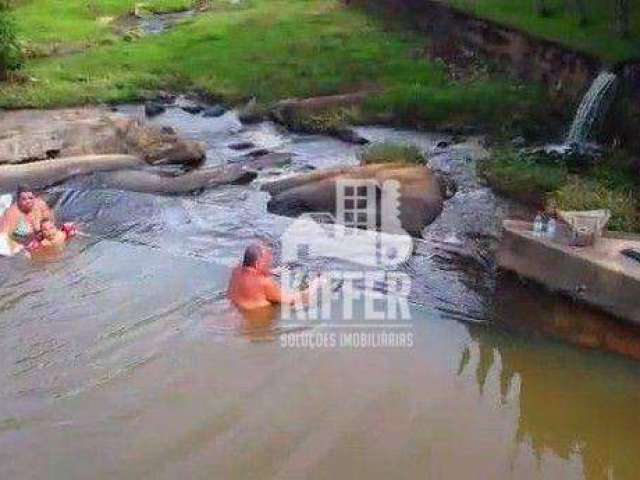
[[10, 53]]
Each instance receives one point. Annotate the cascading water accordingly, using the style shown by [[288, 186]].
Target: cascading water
[[594, 105]]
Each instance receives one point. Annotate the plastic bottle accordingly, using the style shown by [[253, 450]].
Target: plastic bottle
[[537, 225]]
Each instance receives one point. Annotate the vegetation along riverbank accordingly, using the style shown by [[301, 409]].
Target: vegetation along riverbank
[[233, 51], [77, 52]]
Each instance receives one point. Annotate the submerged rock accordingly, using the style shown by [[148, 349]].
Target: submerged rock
[[151, 109], [259, 152], [350, 136], [241, 145], [192, 109], [215, 111]]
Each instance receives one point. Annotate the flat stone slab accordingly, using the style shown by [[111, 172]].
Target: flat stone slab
[[598, 275], [34, 135]]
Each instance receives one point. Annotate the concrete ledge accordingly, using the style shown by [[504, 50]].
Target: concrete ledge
[[599, 276]]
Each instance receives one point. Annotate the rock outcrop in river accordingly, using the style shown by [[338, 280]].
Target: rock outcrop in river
[[420, 201], [32, 135], [41, 148]]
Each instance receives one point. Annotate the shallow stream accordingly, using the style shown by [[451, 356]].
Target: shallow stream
[[124, 360]]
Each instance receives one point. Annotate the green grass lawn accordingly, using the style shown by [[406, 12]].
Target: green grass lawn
[[45, 24], [270, 49], [563, 25]]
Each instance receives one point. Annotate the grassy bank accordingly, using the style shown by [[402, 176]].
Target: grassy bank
[[610, 183], [66, 25], [390, 152], [562, 24], [270, 49]]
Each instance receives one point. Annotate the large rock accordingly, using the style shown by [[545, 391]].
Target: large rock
[[32, 135], [420, 198], [49, 172], [193, 181], [292, 106], [155, 145]]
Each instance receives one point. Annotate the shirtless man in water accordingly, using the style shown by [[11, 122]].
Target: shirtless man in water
[[252, 285]]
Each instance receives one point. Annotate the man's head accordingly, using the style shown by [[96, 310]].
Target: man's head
[[258, 256], [48, 228], [25, 199]]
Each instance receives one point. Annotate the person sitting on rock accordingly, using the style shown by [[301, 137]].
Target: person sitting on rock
[[252, 284], [23, 219]]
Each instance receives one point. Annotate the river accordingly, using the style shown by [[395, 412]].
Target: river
[[124, 360]]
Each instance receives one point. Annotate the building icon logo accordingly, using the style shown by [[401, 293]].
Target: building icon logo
[[365, 228]]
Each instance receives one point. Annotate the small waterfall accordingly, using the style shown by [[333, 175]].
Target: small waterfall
[[593, 106]]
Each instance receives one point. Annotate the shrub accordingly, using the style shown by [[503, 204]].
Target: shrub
[[522, 177], [10, 53], [328, 122], [389, 152]]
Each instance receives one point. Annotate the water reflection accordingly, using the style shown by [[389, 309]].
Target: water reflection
[[571, 404], [529, 310], [259, 324]]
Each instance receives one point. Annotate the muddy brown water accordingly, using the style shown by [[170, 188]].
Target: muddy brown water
[[124, 360]]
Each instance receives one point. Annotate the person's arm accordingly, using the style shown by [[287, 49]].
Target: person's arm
[[45, 211], [8, 221], [275, 294]]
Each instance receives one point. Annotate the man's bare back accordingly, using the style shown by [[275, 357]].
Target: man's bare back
[[251, 289]]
